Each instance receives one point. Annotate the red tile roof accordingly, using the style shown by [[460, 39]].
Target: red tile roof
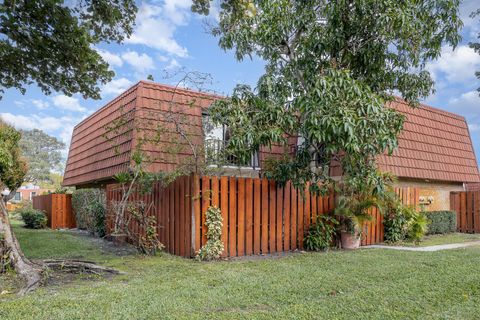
[[92, 158], [434, 145]]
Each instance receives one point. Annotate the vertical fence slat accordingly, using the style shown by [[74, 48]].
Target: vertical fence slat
[[293, 220], [256, 215], [241, 217], [477, 211], [232, 218], [197, 212], [206, 197], [264, 216], [272, 214], [301, 219], [249, 198], [224, 209], [279, 221], [286, 216]]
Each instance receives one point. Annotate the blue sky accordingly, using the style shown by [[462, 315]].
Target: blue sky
[[168, 37]]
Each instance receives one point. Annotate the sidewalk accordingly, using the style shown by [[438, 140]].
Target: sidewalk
[[427, 249]]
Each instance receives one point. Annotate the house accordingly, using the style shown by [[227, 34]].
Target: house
[[435, 153], [26, 193]]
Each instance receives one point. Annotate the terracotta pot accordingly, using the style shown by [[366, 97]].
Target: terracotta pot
[[350, 241]]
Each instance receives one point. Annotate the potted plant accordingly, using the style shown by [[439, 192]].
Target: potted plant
[[353, 212]]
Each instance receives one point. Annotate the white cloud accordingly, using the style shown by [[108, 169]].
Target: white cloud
[[156, 26], [456, 66], [474, 127], [467, 104], [61, 127], [68, 103], [177, 10], [111, 58], [19, 121], [141, 62], [470, 24], [40, 104], [116, 86], [172, 65]]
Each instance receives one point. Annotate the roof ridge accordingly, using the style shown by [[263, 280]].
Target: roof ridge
[[434, 109]]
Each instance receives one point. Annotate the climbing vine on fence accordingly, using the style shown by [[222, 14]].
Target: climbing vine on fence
[[214, 246]]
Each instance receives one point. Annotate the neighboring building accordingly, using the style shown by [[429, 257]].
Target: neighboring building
[[435, 152], [25, 193]]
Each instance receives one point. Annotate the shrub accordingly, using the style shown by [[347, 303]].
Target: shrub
[[89, 209], [33, 219], [404, 223], [214, 246], [320, 234], [441, 222]]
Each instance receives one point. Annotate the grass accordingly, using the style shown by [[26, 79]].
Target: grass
[[439, 239], [364, 284]]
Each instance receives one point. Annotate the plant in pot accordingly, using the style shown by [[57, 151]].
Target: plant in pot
[[353, 211]]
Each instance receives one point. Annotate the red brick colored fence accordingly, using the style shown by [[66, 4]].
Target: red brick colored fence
[[467, 206], [259, 216], [373, 230], [58, 209]]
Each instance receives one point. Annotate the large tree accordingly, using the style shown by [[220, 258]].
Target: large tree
[[476, 45], [43, 154], [331, 69], [12, 171], [50, 43]]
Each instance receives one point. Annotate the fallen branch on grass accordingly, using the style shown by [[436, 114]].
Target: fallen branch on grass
[[79, 266]]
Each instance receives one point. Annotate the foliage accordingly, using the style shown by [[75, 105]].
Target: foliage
[[366, 284], [12, 166], [89, 206], [213, 249], [147, 242], [330, 69], [441, 221], [320, 234], [51, 43], [403, 222], [33, 218], [476, 45], [43, 154], [354, 203]]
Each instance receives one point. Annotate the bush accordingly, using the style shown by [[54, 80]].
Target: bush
[[33, 219], [214, 246], [320, 235], [404, 223], [441, 222], [89, 209]]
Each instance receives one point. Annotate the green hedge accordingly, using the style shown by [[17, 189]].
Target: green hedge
[[33, 219], [89, 209], [442, 222]]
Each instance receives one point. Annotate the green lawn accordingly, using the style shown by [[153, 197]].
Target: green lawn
[[365, 284], [438, 239]]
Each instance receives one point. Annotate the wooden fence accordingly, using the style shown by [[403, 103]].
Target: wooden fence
[[467, 206], [259, 216], [373, 230], [58, 208]]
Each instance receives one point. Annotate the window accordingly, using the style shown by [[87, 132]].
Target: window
[[32, 194], [216, 138], [18, 196]]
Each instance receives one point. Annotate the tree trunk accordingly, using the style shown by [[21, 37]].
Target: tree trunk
[[24, 267]]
